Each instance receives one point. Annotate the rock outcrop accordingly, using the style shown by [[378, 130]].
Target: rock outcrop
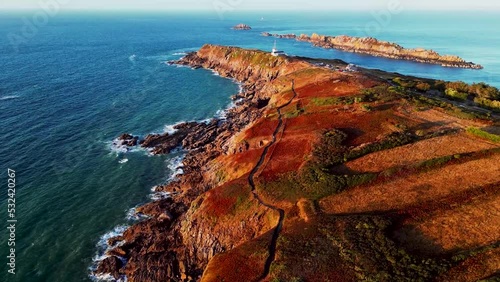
[[242, 27], [378, 48], [128, 140], [111, 265]]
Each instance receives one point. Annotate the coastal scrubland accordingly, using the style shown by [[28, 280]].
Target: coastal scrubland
[[381, 177]]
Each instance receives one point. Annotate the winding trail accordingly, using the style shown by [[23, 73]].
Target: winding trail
[[277, 229]]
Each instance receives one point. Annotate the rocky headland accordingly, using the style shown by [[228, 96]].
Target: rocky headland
[[299, 181], [374, 47]]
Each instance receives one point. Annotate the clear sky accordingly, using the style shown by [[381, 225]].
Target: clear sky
[[255, 4]]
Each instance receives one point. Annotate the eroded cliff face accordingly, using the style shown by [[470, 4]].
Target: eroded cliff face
[[375, 47], [211, 211], [253, 68]]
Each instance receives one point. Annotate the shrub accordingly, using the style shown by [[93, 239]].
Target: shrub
[[366, 107], [365, 246], [459, 86], [393, 140], [326, 101], [358, 100], [483, 134], [487, 103], [423, 86], [483, 90], [330, 150], [455, 94], [404, 82], [439, 85], [420, 133]]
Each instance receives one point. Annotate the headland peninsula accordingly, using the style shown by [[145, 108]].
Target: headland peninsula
[[320, 173], [374, 47]]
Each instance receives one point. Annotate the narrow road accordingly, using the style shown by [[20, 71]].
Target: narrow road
[[277, 229]]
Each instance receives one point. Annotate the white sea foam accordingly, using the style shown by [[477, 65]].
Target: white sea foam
[[133, 215], [107, 278], [103, 245], [180, 54], [240, 86], [206, 121], [169, 128], [102, 248], [122, 161], [222, 114], [9, 97], [117, 148], [160, 196], [175, 165], [132, 58]]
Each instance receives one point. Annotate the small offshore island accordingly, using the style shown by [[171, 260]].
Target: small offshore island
[[242, 27], [375, 47], [319, 174]]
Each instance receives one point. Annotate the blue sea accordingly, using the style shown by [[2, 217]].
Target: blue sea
[[83, 78]]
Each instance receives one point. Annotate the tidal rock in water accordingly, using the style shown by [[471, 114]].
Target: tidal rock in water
[[128, 140], [242, 27]]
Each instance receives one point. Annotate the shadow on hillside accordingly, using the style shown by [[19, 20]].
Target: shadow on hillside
[[492, 129]]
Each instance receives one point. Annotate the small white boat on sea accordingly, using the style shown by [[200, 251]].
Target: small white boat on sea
[[277, 52]]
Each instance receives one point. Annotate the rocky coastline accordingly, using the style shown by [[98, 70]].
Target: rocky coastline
[[162, 247], [263, 192], [374, 47]]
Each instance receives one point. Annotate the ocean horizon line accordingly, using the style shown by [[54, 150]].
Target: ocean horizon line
[[246, 11]]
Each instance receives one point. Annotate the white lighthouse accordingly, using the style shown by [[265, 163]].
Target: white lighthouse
[[277, 52]]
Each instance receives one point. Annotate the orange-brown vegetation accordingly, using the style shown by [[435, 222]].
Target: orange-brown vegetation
[[468, 225], [413, 188], [414, 196], [307, 254], [417, 152], [243, 263], [476, 267], [374, 185]]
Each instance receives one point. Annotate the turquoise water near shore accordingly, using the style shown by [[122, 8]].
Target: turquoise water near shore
[[85, 78]]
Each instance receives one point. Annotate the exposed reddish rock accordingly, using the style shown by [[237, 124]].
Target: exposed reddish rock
[[242, 27], [117, 251], [114, 240], [110, 265], [128, 140], [378, 48]]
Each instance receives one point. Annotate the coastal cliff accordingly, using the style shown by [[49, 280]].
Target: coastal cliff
[[374, 47], [298, 183], [182, 233]]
